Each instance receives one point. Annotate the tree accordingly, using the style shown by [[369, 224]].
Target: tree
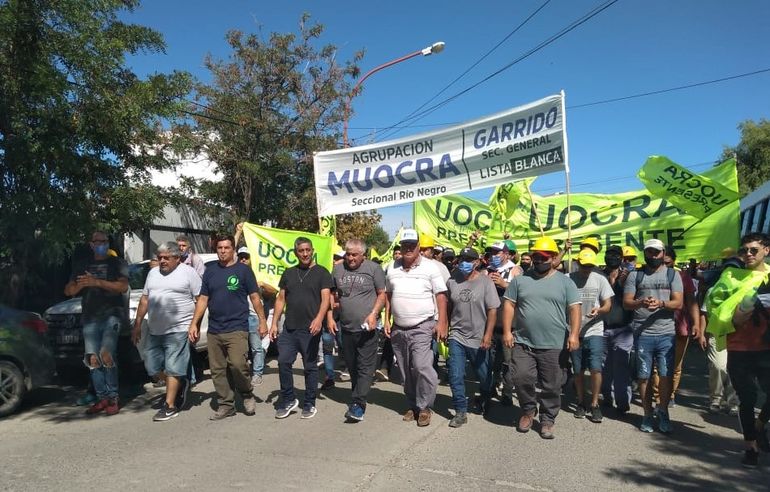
[[357, 226], [79, 131], [753, 155], [378, 239], [272, 104]]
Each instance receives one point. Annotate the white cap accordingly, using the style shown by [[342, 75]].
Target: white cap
[[243, 250], [655, 244], [409, 236], [340, 253]]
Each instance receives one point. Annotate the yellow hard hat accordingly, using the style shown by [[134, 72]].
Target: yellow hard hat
[[587, 257], [591, 242], [629, 251], [545, 244], [427, 241], [112, 252]]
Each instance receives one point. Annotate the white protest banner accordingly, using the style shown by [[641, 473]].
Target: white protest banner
[[526, 141]]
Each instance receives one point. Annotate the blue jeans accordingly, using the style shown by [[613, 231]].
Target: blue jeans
[[101, 338], [481, 362], [255, 344], [169, 353], [290, 343], [616, 375], [327, 342], [657, 350]]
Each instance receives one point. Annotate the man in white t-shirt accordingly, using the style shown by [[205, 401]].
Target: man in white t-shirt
[[168, 299]]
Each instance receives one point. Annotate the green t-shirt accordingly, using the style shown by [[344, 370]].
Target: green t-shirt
[[541, 308]]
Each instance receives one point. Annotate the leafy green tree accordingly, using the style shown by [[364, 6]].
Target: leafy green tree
[[378, 239], [269, 106], [753, 155], [79, 131]]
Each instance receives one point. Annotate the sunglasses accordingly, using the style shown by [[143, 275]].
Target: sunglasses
[[752, 251]]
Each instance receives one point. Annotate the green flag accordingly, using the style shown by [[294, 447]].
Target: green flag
[[506, 198], [695, 194], [327, 225]]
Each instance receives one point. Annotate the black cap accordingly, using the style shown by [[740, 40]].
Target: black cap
[[449, 253], [469, 253]]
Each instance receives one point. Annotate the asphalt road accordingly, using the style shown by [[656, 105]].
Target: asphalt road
[[52, 445]]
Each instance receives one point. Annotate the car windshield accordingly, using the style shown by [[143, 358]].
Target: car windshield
[[137, 274]]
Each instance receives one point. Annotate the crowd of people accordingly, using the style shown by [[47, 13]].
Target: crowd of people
[[525, 324]]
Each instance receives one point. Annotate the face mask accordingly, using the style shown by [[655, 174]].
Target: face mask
[[612, 261], [466, 267], [101, 249], [495, 261], [653, 262], [542, 267], [184, 255]]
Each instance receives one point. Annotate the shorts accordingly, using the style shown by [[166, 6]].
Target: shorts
[[590, 354], [655, 349], [169, 353]]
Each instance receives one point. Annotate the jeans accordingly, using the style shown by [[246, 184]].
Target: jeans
[[328, 340], [359, 349], [412, 347], [229, 366], [481, 361], [101, 338], [655, 350], [290, 343], [616, 375], [169, 353], [255, 344], [532, 365], [747, 371]]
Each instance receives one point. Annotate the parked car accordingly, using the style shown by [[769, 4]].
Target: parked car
[[66, 328], [26, 359]]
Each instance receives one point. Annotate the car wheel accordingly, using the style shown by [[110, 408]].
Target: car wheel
[[12, 387]]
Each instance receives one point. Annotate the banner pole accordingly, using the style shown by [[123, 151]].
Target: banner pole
[[566, 177]]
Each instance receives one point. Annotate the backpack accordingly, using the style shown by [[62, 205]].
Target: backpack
[[670, 272]]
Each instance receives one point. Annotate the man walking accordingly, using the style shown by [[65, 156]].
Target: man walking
[[473, 304], [416, 297], [537, 301], [359, 285], [654, 293], [101, 282], [189, 257], [226, 288], [305, 291], [168, 300]]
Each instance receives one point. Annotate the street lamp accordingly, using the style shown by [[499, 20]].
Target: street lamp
[[437, 47]]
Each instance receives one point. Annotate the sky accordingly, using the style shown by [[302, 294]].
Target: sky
[[629, 48]]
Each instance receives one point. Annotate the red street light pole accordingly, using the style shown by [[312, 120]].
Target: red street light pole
[[434, 48]]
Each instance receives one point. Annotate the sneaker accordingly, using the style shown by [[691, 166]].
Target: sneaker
[[256, 380], [458, 420], [664, 422], [381, 375], [327, 384], [646, 424], [161, 383], [480, 405], [286, 409], [112, 407], [344, 376], [715, 407], [580, 412], [355, 412], [250, 405], [309, 412], [596, 415], [97, 407], [222, 413], [408, 416], [671, 403], [733, 411], [423, 419], [86, 400], [184, 395], [750, 458], [546, 430], [165, 413], [525, 422]]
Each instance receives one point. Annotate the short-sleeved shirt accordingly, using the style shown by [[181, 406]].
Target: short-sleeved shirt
[[541, 308], [661, 321], [196, 262], [593, 290], [412, 291], [471, 299], [99, 303], [228, 288], [171, 299], [302, 289], [357, 290]]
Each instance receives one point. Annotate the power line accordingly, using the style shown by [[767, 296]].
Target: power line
[[575, 24], [483, 57]]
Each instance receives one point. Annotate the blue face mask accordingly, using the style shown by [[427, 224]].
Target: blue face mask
[[466, 267], [101, 249], [496, 261]]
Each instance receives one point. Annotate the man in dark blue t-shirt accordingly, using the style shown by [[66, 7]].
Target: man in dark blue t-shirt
[[225, 287]]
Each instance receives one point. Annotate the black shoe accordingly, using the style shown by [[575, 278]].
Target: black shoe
[[184, 395], [750, 459], [165, 413], [327, 384], [506, 401], [580, 412], [480, 405], [595, 415]]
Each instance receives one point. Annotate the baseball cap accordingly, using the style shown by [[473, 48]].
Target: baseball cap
[[409, 236], [498, 246], [511, 245], [340, 253], [449, 253], [655, 244], [243, 250], [438, 248], [469, 253], [587, 257]]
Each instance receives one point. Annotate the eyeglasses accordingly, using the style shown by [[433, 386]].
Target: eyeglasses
[[752, 251], [164, 257]]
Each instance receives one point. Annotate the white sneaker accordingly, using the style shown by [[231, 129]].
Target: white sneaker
[[309, 413]]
